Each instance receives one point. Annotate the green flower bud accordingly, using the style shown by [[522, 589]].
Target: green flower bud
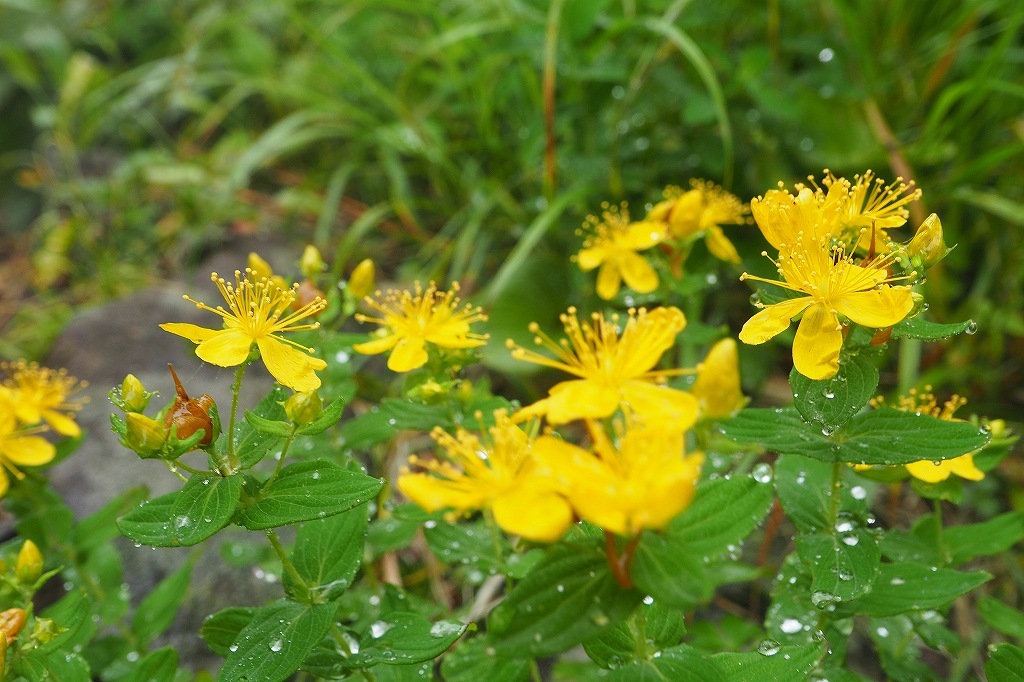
[[144, 435], [30, 563], [304, 408], [311, 263], [928, 242], [134, 396], [46, 630], [361, 281]]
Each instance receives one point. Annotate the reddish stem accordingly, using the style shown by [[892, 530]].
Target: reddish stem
[[770, 529], [620, 564]]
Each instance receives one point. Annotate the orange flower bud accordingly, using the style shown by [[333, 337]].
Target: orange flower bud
[[11, 623], [307, 293], [189, 414]]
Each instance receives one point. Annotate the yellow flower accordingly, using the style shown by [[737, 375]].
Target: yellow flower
[[261, 269], [705, 208], [258, 314], [869, 203], [498, 473], [927, 470], [717, 387], [19, 446], [613, 244], [834, 286], [40, 394], [360, 282], [429, 316], [642, 480], [783, 217], [614, 371]]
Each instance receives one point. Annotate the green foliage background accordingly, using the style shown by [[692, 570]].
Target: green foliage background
[[417, 130]]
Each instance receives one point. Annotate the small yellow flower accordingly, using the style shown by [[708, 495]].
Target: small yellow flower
[[784, 217], [20, 446], [868, 203], [927, 470], [261, 269], [413, 320], [258, 314], [40, 394], [614, 371], [497, 473], [641, 480], [613, 244], [717, 387], [834, 286], [705, 208]]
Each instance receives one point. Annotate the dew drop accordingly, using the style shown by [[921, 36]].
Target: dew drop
[[768, 647], [791, 626]]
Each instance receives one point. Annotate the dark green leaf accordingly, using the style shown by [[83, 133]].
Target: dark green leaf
[[1001, 617], [198, 510], [465, 543], [804, 488], [158, 666], [157, 610], [784, 663], [890, 436], [909, 586], [723, 513], [781, 430], [402, 637], [919, 544], [920, 328], [221, 629], [843, 564], [679, 664], [470, 662], [328, 552], [568, 597], [406, 414], [101, 526], [832, 402], [950, 489], [390, 533], [518, 565], [328, 418], [273, 645], [306, 491], [1006, 664], [983, 539], [63, 666], [367, 429], [666, 569], [149, 523]]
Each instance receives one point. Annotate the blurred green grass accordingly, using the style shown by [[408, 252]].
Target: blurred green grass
[[138, 135]]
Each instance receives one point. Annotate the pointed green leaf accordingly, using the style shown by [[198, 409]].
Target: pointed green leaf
[[220, 630], [1006, 664], [890, 436], [328, 418], [402, 637], [470, 662], [101, 526], [679, 664], [1001, 617], [920, 328], [158, 666], [832, 402], [273, 645], [328, 552], [983, 539], [908, 586], [844, 564], [157, 610], [784, 663], [723, 513]]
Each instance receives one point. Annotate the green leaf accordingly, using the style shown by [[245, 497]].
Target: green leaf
[[71, 613], [665, 568], [834, 401], [983, 539], [101, 527], [384, 535], [614, 647], [679, 664], [273, 645], [465, 543], [157, 610], [652, 627], [305, 491], [919, 544], [804, 489], [221, 629], [920, 328], [63, 666], [328, 552], [328, 418], [784, 663], [781, 430], [470, 662], [270, 427], [402, 637], [890, 436], [843, 565], [366, 430], [518, 565], [195, 512], [568, 597], [1001, 617], [723, 513], [1006, 664], [910, 586], [158, 666], [406, 414]]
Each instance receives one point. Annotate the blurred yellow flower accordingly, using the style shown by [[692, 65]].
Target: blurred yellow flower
[[261, 269], [717, 387], [19, 446], [413, 320], [497, 473], [257, 315], [38, 394], [614, 371], [613, 244], [834, 286], [704, 208], [360, 282], [642, 479], [927, 470]]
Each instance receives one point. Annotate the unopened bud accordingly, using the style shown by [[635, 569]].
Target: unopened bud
[[311, 263], [306, 294], [11, 623], [30, 563], [189, 414], [717, 388], [431, 390], [928, 242], [133, 395], [260, 268], [361, 282], [144, 435], [304, 408], [46, 630], [996, 427]]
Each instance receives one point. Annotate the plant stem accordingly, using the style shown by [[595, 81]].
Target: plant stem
[[284, 453], [181, 465], [550, 71], [535, 671], [172, 467], [499, 553], [233, 462], [835, 495], [619, 564], [937, 504], [285, 561]]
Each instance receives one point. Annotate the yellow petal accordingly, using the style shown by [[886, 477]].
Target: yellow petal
[[260, 268], [963, 466], [225, 348], [408, 355], [717, 387], [61, 423], [608, 280], [642, 235], [432, 493], [660, 406], [638, 273], [192, 332], [291, 367], [772, 320], [385, 343], [579, 399], [4, 482], [537, 515], [720, 247], [661, 211], [685, 216], [817, 343], [929, 471], [27, 450], [878, 308], [588, 259]]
